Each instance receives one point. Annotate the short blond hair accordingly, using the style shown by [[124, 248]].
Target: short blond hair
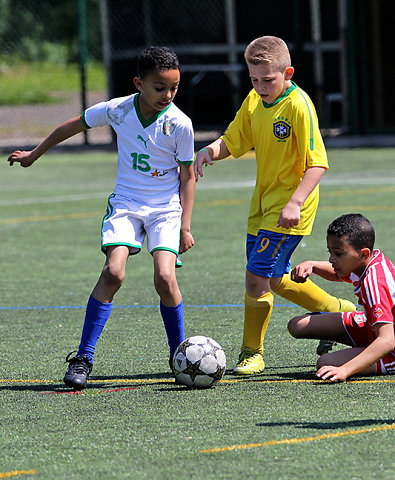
[[268, 50]]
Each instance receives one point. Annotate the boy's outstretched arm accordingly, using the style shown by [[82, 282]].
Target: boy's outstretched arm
[[215, 151], [187, 195], [324, 269], [290, 214], [382, 344], [62, 132]]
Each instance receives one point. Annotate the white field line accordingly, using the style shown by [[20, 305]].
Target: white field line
[[338, 180]]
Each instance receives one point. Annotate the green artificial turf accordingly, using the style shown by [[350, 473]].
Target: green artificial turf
[[133, 422]]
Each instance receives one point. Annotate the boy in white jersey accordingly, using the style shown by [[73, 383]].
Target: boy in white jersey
[[278, 120], [352, 258], [153, 196]]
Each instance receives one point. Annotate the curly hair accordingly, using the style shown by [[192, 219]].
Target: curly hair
[[156, 58], [359, 231]]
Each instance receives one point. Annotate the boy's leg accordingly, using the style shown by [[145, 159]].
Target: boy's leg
[[96, 316], [319, 326], [311, 297], [314, 299], [264, 251], [257, 312], [97, 313], [171, 304]]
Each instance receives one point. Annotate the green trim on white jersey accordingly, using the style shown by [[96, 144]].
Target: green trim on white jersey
[[149, 121], [84, 121]]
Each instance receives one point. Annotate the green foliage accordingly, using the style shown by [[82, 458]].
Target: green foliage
[[47, 30]]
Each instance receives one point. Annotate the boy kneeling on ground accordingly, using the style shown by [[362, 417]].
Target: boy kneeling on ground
[[352, 258]]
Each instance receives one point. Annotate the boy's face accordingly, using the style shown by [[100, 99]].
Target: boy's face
[[158, 90], [268, 83], [344, 257]]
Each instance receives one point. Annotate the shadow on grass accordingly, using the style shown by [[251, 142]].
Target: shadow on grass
[[95, 382], [276, 375], [42, 387], [142, 376], [329, 425]]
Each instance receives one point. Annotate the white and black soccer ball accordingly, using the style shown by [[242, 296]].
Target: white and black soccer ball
[[199, 362]]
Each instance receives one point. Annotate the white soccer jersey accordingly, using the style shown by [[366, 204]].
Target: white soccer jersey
[[149, 151]]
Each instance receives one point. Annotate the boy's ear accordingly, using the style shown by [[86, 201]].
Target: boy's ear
[[365, 253], [138, 83], [289, 71]]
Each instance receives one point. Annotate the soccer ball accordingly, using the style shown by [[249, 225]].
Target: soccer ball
[[199, 362]]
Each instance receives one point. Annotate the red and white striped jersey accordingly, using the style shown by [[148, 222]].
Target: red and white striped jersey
[[375, 289]]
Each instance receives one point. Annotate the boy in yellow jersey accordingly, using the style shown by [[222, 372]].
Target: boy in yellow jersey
[[279, 121]]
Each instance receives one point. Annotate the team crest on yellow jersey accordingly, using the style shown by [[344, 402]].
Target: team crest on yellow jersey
[[281, 128]]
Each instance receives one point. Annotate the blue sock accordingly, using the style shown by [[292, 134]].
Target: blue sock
[[173, 318], [96, 317]]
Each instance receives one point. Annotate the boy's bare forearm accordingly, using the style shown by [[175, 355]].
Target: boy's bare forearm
[[382, 345], [303, 271], [309, 181], [62, 132], [217, 150], [187, 196]]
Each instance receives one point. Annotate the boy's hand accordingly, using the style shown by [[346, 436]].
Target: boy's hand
[[25, 158], [202, 157], [301, 272], [332, 373], [289, 216], [186, 241]]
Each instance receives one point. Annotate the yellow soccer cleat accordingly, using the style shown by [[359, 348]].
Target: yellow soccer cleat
[[250, 362]]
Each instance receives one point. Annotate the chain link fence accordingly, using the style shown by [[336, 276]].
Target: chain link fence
[[46, 48], [57, 57]]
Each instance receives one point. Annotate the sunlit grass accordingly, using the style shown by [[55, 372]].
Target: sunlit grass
[[37, 83]]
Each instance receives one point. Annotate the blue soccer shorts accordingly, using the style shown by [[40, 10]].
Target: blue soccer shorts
[[269, 253]]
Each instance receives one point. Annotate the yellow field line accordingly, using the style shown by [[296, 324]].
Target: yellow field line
[[82, 215], [300, 440], [171, 380], [17, 472], [358, 207], [48, 218], [338, 193], [73, 216]]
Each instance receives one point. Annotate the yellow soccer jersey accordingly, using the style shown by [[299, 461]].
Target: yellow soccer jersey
[[287, 140]]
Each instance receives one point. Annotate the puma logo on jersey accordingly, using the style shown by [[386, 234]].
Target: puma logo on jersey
[[139, 137]]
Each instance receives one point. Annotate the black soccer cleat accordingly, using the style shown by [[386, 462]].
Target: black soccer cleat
[[171, 365], [325, 346], [77, 372]]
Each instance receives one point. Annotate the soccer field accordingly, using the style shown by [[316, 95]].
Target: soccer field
[[133, 422]]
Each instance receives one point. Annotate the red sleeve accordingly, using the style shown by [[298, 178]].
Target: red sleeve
[[378, 303]]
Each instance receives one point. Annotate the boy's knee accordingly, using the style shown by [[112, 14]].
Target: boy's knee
[[163, 281], [323, 360], [295, 326], [113, 276], [256, 286]]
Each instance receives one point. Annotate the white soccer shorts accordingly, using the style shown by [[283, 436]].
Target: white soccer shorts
[[128, 223]]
